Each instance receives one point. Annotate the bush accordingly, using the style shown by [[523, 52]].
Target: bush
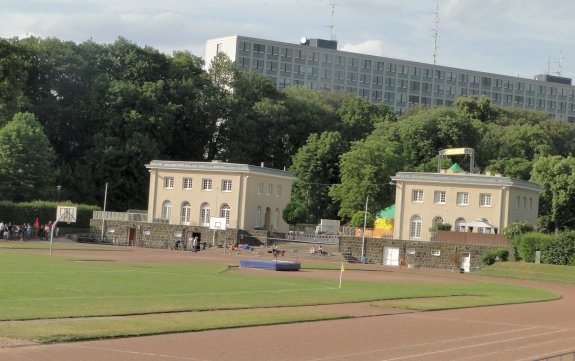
[[514, 231], [529, 243], [357, 219], [494, 254], [20, 213], [560, 250]]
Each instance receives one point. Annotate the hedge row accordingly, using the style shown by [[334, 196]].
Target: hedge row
[[556, 249], [20, 213]]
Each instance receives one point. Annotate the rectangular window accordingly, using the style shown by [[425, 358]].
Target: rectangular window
[[226, 185], [417, 196], [439, 197], [270, 189], [435, 252], [187, 183], [462, 198], [206, 184], [410, 251], [278, 191], [485, 200], [169, 182], [259, 48], [261, 188]]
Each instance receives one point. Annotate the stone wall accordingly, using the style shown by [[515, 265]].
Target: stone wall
[[421, 253], [163, 235]]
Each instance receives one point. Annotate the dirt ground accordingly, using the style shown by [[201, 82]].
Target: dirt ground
[[510, 332]]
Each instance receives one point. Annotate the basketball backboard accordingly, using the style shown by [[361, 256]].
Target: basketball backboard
[[218, 223], [66, 214]]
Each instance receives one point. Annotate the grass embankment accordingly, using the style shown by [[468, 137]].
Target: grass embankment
[[42, 288], [531, 271]]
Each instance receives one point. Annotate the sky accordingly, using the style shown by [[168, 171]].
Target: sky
[[510, 37]]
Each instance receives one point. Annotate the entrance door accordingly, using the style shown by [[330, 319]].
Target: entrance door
[[391, 256], [132, 237], [466, 261]]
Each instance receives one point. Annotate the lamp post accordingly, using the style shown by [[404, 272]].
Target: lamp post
[[59, 187], [364, 225]]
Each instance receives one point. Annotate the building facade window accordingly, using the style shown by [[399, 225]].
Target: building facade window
[[415, 227], [185, 213], [439, 197], [270, 189], [277, 219], [166, 210], [278, 190], [260, 188], [258, 216], [226, 185], [168, 182], [485, 200], [417, 196], [206, 184], [205, 215], [460, 225], [462, 198], [225, 213], [187, 183]]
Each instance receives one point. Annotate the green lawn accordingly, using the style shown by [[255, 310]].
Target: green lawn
[[531, 271], [36, 287]]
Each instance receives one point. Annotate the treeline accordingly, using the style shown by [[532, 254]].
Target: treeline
[[82, 115]]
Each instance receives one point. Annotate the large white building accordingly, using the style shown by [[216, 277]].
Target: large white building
[[190, 193], [401, 84]]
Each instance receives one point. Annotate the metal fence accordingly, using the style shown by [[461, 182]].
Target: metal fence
[[567, 356], [120, 216]]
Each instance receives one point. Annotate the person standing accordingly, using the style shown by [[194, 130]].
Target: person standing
[[1, 229]]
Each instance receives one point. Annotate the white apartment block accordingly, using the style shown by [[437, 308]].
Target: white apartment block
[[189, 193], [422, 199], [400, 84]]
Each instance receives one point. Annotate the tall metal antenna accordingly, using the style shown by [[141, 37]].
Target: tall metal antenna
[[436, 33], [331, 25], [560, 64]]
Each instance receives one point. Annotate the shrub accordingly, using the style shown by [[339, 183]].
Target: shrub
[[513, 233], [560, 250], [530, 242], [494, 254], [357, 219]]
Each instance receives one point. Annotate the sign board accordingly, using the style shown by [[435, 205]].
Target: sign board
[[66, 214], [218, 223]]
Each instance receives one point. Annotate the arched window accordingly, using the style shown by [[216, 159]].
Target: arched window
[[415, 227], [167, 210], [185, 213], [437, 220], [459, 225], [258, 216], [225, 213], [277, 219], [205, 215]]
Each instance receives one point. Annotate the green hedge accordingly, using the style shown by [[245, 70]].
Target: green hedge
[[561, 250], [20, 213], [494, 254], [529, 243]]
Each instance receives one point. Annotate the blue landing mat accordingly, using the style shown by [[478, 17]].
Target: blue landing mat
[[273, 265]]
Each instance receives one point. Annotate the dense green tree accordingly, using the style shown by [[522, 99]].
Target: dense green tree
[[316, 166], [12, 79], [295, 212], [556, 175], [27, 170], [518, 168], [359, 117]]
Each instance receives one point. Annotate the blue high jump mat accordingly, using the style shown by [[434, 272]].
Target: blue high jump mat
[[272, 265]]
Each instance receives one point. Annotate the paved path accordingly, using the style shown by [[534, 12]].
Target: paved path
[[510, 332]]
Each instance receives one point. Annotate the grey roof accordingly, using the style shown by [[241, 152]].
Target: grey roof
[[217, 166], [466, 179]]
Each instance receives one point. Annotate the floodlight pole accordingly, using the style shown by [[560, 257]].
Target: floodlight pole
[[104, 211], [54, 227], [364, 224]]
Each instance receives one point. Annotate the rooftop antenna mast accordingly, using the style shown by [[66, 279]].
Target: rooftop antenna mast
[[436, 33], [560, 64], [331, 25]]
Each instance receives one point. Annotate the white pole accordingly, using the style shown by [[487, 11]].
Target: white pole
[[54, 227], [104, 212], [340, 274], [364, 224]]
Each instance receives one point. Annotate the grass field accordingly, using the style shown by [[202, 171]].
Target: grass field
[[59, 293], [531, 271]]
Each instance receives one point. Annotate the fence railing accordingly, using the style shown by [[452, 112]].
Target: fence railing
[[567, 356], [120, 216]]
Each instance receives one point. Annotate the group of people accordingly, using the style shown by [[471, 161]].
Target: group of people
[[319, 250], [9, 231]]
